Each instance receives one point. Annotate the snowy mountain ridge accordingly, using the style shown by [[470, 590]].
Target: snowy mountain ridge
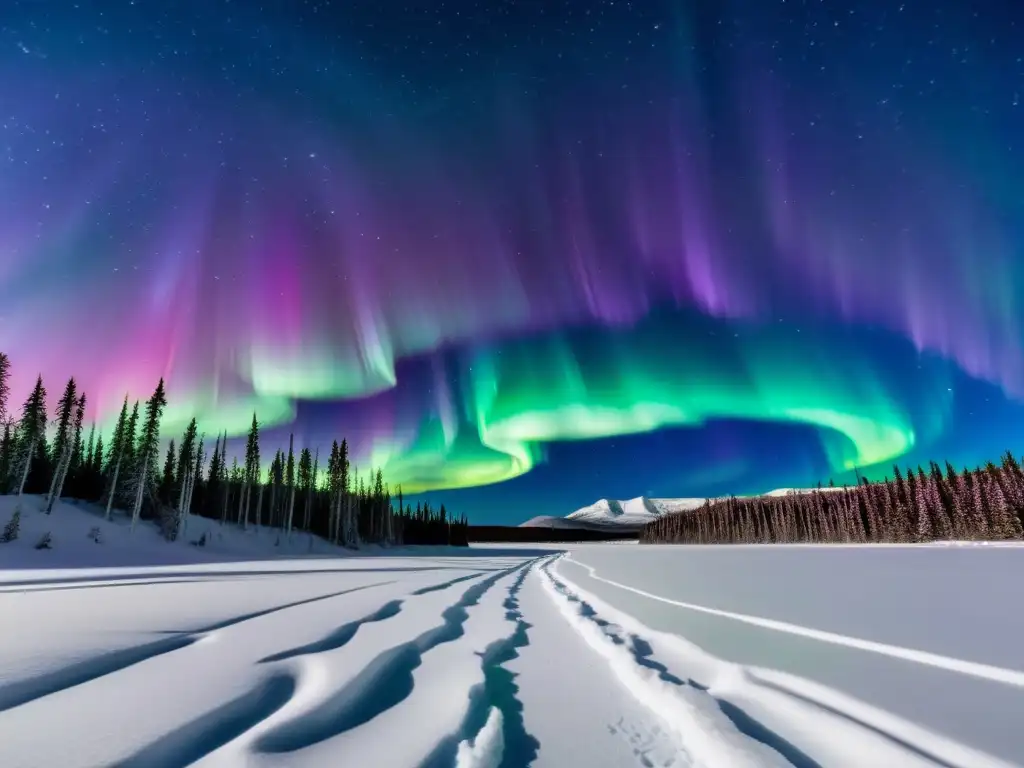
[[632, 513]]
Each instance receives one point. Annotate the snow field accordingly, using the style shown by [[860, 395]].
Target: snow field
[[491, 658], [217, 691], [810, 724]]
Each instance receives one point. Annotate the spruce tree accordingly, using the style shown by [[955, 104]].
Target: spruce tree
[[289, 479], [186, 454], [77, 444], [65, 418], [351, 531], [306, 484], [168, 477], [84, 480], [978, 522], [96, 470], [31, 432], [187, 472], [146, 452], [131, 436], [64, 466], [62, 442], [117, 461], [251, 470], [5, 386], [6, 455], [117, 438]]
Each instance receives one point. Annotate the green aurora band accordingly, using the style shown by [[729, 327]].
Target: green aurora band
[[524, 394]]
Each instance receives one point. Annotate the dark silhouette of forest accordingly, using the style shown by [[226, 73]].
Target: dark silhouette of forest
[[985, 504]]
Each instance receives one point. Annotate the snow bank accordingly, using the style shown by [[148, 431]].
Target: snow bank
[[81, 537]]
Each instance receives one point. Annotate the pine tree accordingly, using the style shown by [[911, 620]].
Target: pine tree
[[118, 457], [6, 455], [168, 477], [214, 475], [252, 470], [192, 476], [67, 457], [128, 460], [187, 471], [96, 471], [976, 508], [5, 386], [290, 485], [146, 456], [65, 416], [1002, 520], [85, 472], [306, 484], [77, 445], [351, 531], [186, 458], [131, 437], [225, 485], [31, 431]]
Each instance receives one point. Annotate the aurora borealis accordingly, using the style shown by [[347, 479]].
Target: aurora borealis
[[586, 248]]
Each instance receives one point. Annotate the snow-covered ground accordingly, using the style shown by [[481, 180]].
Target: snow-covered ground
[[514, 656], [81, 537]]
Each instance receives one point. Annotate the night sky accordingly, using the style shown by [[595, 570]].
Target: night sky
[[524, 254]]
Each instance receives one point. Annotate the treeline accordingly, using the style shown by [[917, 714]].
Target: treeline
[[985, 504], [299, 492]]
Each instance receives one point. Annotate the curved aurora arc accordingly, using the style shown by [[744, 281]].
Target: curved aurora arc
[[574, 387], [315, 243]]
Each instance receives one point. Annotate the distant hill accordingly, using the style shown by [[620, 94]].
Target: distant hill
[[631, 515], [609, 514]]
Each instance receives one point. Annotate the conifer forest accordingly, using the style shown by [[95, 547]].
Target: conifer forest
[[53, 454], [985, 504]]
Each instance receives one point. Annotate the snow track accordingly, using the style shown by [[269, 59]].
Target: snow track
[[806, 724], [478, 661]]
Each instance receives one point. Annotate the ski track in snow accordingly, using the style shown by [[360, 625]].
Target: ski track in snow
[[974, 669], [807, 724], [407, 664]]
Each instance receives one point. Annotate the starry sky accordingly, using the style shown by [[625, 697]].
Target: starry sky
[[524, 254]]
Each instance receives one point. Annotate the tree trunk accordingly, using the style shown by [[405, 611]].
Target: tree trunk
[[273, 503], [28, 464], [113, 486], [259, 508], [291, 512], [60, 476], [137, 508], [184, 501], [243, 491]]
